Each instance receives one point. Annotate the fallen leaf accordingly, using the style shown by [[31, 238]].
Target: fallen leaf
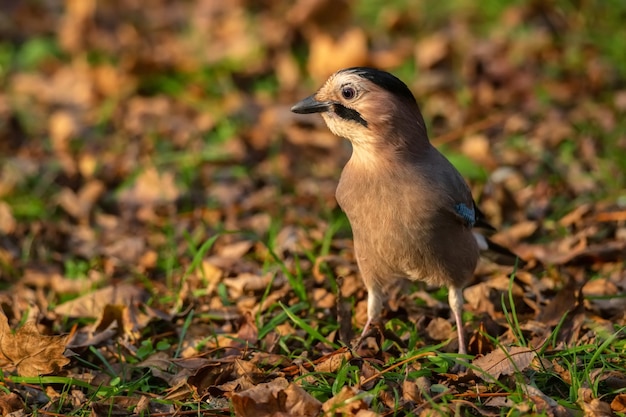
[[431, 50], [619, 403], [248, 282], [332, 363], [79, 204], [127, 318], [596, 408], [211, 374], [275, 398], [108, 409], [501, 362], [92, 304], [7, 221], [346, 403], [575, 215], [328, 54], [439, 329], [49, 278], [9, 403], [151, 187], [264, 359], [248, 335], [415, 390], [29, 351]]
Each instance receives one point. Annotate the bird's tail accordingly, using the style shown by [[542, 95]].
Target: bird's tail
[[497, 253]]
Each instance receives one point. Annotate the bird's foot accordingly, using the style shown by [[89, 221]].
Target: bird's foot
[[370, 330], [459, 367]]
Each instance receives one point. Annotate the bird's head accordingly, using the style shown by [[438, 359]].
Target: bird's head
[[366, 106]]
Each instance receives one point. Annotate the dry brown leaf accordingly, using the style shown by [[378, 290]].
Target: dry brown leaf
[[29, 351], [602, 295], [248, 331], [333, 362], [62, 126], [327, 55], [478, 297], [480, 340], [49, 278], [439, 329], [234, 250], [516, 232], [543, 403], [209, 374], [93, 304], [275, 398], [265, 359], [7, 221], [499, 362], [323, 298], [431, 50], [209, 276], [477, 147], [9, 403], [108, 409], [573, 251], [151, 187], [247, 282], [127, 318], [128, 249], [111, 314], [346, 403], [317, 137], [318, 11], [226, 375], [566, 300], [619, 403], [596, 408], [76, 19], [575, 216], [85, 337], [160, 361], [415, 390], [80, 204]]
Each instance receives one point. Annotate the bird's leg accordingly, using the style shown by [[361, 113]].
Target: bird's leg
[[374, 308], [455, 298], [366, 327]]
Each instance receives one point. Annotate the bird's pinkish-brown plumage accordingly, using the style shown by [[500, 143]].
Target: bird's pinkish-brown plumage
[[410, 210]]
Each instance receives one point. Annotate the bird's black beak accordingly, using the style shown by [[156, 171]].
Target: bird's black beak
[[311, 105]]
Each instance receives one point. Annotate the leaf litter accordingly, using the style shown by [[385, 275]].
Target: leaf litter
[[166, 223]]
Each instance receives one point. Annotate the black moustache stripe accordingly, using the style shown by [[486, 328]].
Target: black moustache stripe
[[348, 114]]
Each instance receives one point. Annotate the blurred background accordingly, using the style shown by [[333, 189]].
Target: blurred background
[[132, 130]]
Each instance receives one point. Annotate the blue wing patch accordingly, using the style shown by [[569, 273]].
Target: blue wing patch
[[467, 213]]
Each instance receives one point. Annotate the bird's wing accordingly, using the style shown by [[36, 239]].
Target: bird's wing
[[451, 191], [471, 216]]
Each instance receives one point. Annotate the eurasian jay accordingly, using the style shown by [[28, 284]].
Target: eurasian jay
[[411, 212]]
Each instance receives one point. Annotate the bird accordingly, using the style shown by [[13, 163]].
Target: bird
[[411, 212]]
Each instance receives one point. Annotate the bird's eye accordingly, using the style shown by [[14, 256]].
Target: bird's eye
[[348, 93]]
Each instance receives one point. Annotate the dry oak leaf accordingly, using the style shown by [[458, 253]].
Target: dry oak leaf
[[29, 351], [10, 403], [347, 402], [278, 397], [597, 408], [619, 403], [501, 362]]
